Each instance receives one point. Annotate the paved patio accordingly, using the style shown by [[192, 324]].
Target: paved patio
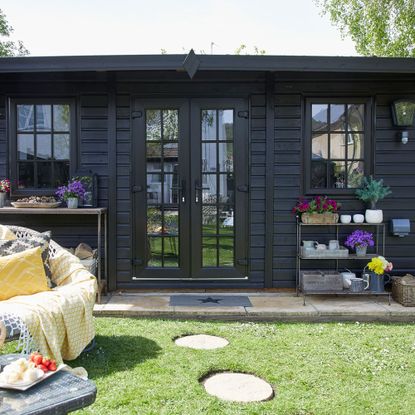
[[272, 306]]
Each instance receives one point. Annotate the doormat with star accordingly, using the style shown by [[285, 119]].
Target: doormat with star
[[210, 301]]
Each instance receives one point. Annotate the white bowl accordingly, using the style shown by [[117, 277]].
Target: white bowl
[[345, 218], [358, 218]]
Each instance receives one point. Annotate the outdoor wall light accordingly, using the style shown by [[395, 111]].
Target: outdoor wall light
[[403, 112]]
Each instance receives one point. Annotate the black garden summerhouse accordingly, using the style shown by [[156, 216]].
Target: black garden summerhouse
[[200, 158]]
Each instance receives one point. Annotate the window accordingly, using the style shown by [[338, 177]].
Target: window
[[338, 147], [42, 144]]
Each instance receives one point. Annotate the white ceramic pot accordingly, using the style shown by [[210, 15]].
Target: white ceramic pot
[[374, 216], [72, 202], [358, 218], [345, 218]]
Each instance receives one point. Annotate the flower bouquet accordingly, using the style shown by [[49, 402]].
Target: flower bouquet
[[379, 265], [360, 240], [319, 210]]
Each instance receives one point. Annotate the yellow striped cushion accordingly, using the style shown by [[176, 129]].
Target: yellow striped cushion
[[22, 274]]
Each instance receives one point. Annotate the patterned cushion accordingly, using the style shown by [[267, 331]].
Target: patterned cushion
[[22, 244], [6, 233], [22, 274]]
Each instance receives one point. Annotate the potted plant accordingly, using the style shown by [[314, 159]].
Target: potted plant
[[71, 193], [372, 192], [377, 266], [4, 189], [360, 240], [319, 210]]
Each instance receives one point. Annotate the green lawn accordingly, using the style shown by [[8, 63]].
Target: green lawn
[[315, 369]]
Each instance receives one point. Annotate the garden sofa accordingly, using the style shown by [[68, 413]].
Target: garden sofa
[[59, 321]]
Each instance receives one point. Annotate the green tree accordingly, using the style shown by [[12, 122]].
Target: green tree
[[378, 27], [243, 50], [7, 46]]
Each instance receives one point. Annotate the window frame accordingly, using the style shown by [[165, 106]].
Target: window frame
[[12, 148], [368, 140]]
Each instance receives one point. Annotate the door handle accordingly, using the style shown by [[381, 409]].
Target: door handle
[[199, 189]]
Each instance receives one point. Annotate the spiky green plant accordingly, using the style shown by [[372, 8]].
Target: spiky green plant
[[372, 191]]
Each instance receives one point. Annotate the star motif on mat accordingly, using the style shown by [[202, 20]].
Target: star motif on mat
[[209, 300]]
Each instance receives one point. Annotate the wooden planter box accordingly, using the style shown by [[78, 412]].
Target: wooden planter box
[[326, 218]]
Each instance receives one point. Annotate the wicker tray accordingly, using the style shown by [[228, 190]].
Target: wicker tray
[[403, 290], [35, 205]]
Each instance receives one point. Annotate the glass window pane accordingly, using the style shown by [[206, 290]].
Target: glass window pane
[[25, 117], [25, 147], [208, 157], [170, 125], [154, 249], [356, 114], [61, 146], [61, 117], [355, 146], [61, 173], [209, 219], [170, 156], [319, 114], [153, 153], [337, 174], [225, 123], [44, 174], [170, 189], [171, 222], [355, 173], [171, 251], [26, 175], [226, 188], [208, 124], [43, 117], [209, 252], [44, 146], [319, 146], [318, 174], [337, 117], [154, 188], [154, 222], [226, 252], [337, 146], [226, 220], [209, 188], [153, 125], [225, 157]]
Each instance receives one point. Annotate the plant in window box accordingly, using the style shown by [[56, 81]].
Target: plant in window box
[[360, 240], [72, 193], [373, 191], [319, 210], [4, 189]]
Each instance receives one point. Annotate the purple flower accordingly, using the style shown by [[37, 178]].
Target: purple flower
[[74, 189], [359, 238]]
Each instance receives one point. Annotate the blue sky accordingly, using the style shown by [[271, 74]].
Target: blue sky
[[91, 27]]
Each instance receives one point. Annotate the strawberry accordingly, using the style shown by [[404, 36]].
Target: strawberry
[[32, 356], [46, 361], [52, 366], [44, 368], [37, 360]]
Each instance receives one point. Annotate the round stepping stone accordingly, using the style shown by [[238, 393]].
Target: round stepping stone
[[202, 342], [238, 387]]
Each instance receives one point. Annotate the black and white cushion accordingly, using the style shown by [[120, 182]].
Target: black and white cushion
[[33, 241]]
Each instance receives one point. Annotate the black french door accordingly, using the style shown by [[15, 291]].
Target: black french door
[[190, 189]]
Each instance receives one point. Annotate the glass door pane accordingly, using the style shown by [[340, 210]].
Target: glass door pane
[[218, 203], [162, 187]]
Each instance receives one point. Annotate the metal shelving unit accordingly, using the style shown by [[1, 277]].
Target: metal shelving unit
[[380, 238]]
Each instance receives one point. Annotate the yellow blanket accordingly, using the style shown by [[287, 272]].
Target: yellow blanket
[[60, 321]]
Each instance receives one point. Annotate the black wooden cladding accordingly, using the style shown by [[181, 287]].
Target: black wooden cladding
[[105, 142]]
